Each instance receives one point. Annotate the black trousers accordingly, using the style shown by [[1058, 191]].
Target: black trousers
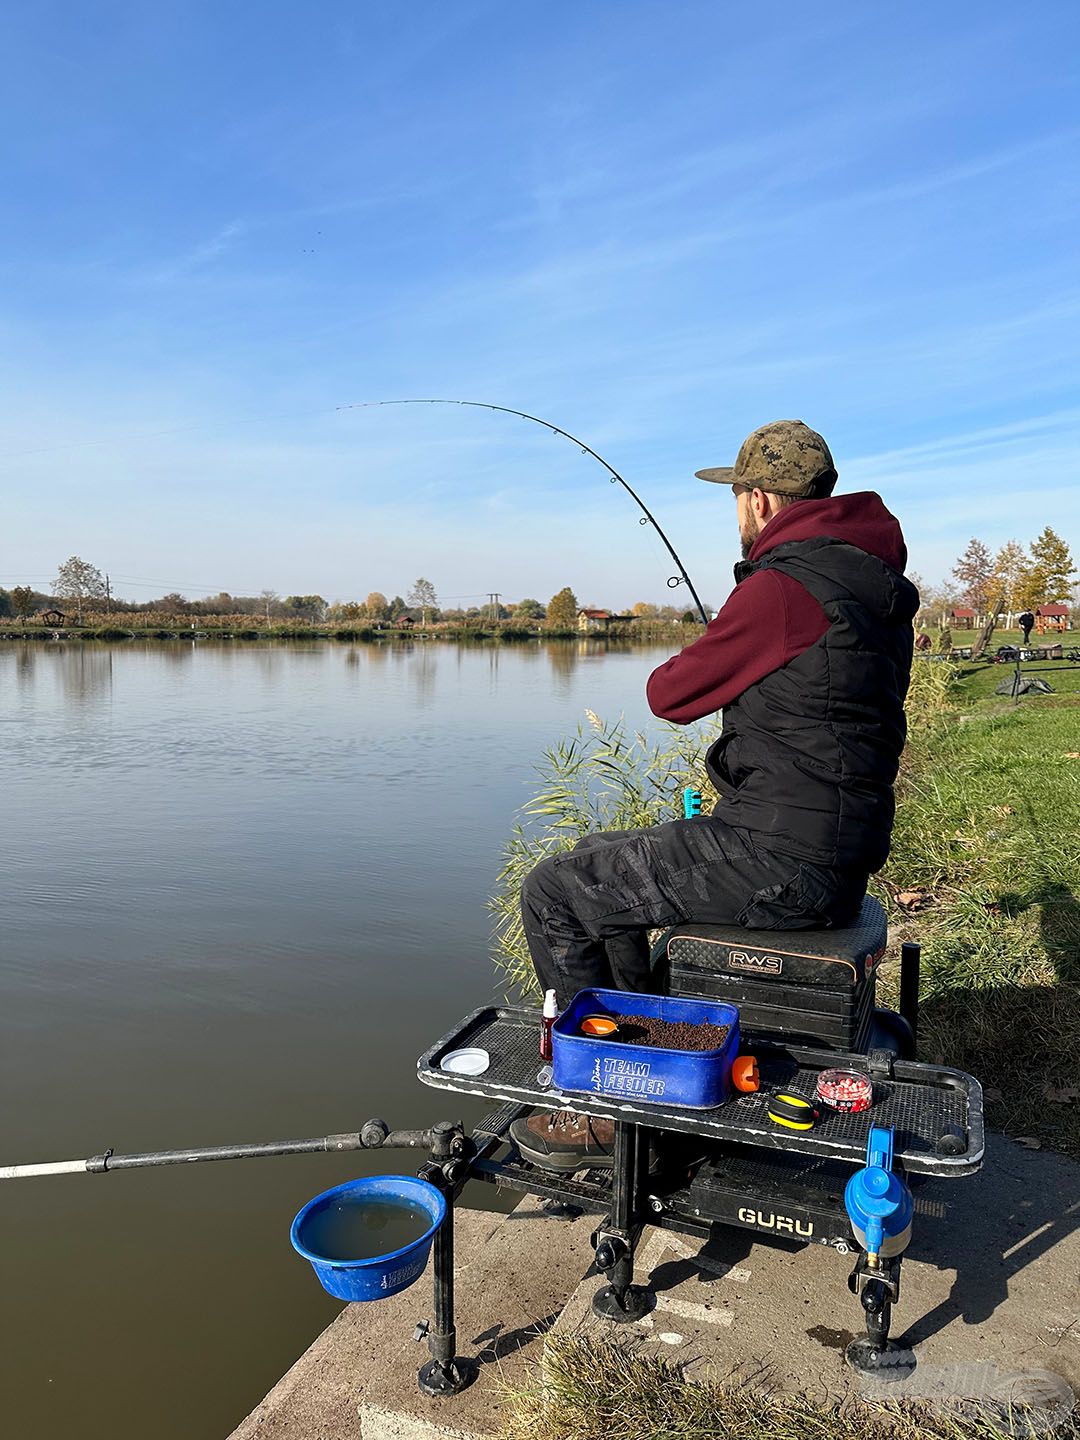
[[587, 911]]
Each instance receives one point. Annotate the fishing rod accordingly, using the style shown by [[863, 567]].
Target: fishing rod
[[648, 518], [372, 1135]]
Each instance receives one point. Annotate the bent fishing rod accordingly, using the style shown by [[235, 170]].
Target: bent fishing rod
[[648, 518]]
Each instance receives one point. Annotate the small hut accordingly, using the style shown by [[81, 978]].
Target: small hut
[[404, 622], [962, 618], [1054, 618], [590, 620], [56, 618]]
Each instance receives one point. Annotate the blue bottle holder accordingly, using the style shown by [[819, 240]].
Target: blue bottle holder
[[378, 1276], [644, 1074]]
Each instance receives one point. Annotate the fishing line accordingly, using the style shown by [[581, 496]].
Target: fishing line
[[648, 518]]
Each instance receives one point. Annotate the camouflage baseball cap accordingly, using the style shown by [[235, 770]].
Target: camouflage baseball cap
[[785, 457]]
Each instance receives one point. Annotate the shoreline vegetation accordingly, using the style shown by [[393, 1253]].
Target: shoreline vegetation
[[250, 628]]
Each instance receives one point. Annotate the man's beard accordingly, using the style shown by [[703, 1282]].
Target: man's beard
[[747, 540]]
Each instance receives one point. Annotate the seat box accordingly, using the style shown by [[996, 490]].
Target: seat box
[[804, 987]]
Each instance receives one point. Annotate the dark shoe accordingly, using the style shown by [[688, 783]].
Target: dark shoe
[[564, 1140]]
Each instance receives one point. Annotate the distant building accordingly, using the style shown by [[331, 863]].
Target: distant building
[[590, 621], [1052, 617], [962, 617], [593, 619], [56, 618], [404, 622]]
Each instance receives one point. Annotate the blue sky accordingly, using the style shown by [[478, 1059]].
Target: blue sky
[[658, 225]]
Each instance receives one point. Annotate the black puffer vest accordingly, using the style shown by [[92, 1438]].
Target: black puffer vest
[[809, 754]]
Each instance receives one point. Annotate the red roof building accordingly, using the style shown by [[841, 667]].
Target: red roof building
[[1052, 617], [593, 619]]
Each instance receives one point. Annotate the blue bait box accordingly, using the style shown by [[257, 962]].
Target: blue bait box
[[695, 1079]]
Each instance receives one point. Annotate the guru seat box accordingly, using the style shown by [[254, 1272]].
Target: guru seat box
[[801, 987], [697, 1079]]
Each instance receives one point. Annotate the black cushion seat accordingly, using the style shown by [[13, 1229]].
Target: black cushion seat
[[831, 959]]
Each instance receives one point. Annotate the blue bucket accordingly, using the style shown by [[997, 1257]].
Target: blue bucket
[[379, 1276]]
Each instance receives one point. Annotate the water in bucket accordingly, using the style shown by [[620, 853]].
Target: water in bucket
[[359, 1227]]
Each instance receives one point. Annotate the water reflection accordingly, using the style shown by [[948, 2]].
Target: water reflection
[[563, 659], [24, 664], [177, 656], [86, 673], [422, 673]]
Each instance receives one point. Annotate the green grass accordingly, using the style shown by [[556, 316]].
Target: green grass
[[591, 1389], [979, 682], [984, 870]]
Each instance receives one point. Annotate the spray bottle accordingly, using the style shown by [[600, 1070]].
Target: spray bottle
[[549, 1015]]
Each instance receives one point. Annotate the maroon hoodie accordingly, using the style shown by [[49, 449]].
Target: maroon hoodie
[[769, 618]]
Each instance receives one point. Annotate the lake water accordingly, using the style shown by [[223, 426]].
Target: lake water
[[244, 888]]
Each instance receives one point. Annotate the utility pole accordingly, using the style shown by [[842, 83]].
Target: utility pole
[[108, 594], [493, 602]]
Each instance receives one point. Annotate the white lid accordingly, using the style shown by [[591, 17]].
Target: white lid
[[465, 1062]]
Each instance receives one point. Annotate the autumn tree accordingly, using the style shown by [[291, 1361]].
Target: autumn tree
[[269, 599], [79, 581], [347, 610], [1050, 570], [975, 571], [173, 604], [305, 607], [644, 611], [423, 598], [1010, 567], [935, 601], [23, 601], [562, 610], [528, 610], [376, 606]]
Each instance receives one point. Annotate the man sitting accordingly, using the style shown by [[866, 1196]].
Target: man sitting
[[809, 660]]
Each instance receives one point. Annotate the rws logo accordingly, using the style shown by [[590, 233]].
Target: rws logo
[[781, 1224], [758, 964]]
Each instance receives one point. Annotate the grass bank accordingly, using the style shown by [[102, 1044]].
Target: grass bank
[[586, 1389], [985, 870]]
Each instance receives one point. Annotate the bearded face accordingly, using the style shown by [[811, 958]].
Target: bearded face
[[749, 524]]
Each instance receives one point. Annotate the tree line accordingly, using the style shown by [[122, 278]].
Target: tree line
[[1013, 578], [83, 588]]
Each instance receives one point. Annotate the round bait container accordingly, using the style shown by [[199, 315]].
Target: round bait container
[[846, 1091]]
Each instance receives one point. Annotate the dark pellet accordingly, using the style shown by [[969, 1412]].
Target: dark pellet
[[669, 1034]]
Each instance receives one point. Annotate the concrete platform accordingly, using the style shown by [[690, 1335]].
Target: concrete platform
[[514, 1273], [989, 1303]]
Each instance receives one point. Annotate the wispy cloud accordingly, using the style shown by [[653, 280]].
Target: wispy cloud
[[197, 257]]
